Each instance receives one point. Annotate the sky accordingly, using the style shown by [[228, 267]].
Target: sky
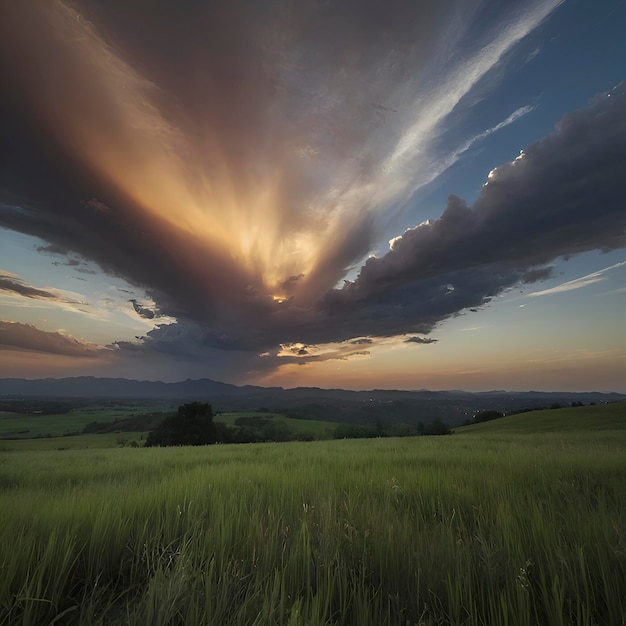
[[342, 193]]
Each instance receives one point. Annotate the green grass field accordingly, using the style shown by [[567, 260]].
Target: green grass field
[[75, 442], [28, 426], [493, 528], [19, 431], [576, 419]]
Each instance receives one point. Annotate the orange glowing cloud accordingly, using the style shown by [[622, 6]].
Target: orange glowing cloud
[[106, 116]]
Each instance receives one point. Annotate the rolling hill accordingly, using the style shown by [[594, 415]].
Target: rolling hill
[[385, 406], [595, 417]]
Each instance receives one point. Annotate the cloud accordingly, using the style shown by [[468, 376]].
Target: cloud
[[421, 340], [583, 281], [18, 293], [22, 289], [237, 180], [15, 335], [270, 163], [562, 196], [301, 354], [141, 310], [14, 284], [530, 212], [517, 114]]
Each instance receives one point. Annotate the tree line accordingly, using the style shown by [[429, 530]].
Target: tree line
[[193, 425]]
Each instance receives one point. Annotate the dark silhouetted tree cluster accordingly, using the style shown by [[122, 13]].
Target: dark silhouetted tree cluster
[[191, 426]]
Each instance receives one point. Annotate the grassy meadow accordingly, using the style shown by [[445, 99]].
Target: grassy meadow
[[566, 419], [24, 431], [495, 528], [28, 426], [75, 442]]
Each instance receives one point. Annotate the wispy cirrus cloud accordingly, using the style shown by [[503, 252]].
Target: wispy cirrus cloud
[[516, 115], [578, 283]]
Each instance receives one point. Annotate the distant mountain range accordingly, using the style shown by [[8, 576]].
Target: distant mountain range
[[385, 406], [92, 387]]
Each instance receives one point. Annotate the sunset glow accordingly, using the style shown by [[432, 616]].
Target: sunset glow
[[224, 181]]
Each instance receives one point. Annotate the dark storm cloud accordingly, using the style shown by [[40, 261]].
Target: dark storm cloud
[[147, 260], [78, 264], [15, 335], [314, 104], [183, 338], [233, 99], [48, 190], [564, 195]]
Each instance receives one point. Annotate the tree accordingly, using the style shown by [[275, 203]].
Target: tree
[[191, 426]]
